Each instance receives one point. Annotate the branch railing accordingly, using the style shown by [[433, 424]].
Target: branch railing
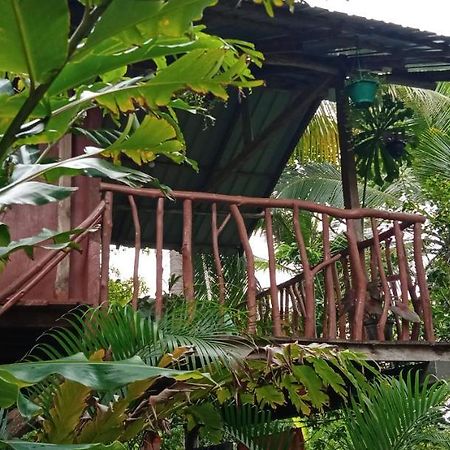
[[359, 291]]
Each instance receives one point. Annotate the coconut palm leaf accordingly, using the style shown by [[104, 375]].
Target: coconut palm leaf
[[396, 414], [321, 183], [320, 142]]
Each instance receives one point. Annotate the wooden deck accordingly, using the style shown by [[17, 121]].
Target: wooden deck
[[368, 293]]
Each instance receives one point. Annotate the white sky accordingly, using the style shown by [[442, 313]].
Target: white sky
[[428, 15]]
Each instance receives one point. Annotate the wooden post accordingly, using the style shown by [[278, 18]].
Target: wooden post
[[272, 274], [159, 257], [422, 282], [137, 250], [106, 242], [308, 276], [250, 259], [188, 270], [216, 253], [348, 165]]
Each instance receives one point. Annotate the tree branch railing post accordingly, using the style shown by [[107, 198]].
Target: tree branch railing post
[[272, 274], [137, 251], [159, 257], [186, 251], [251, 279], [107, 226]]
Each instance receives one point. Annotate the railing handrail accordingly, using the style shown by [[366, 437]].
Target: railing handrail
[[358, 213]]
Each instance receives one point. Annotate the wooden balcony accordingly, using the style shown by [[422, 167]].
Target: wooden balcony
[[372, 288]]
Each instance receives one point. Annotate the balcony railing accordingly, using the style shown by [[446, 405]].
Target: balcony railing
[[372, 288]]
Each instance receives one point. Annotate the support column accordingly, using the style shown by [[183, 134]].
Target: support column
[[348, 165]]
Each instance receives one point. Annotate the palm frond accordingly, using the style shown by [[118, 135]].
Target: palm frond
[[395, 413], [255, 428], [124, 332], [321, 183], [320, 141], [432, 155]]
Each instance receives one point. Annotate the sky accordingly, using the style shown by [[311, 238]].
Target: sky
[[428, 15]]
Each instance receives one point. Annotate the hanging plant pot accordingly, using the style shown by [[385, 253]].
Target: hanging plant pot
[[362, 92]]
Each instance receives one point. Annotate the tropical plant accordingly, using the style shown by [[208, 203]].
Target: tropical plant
[[398, 414], [85, 62], [303, 376], [95, 400]]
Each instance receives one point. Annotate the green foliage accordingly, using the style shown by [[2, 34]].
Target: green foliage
[[322, 183], [55, 69], [125, 333], [269, 4], [397, 414], [381, 136], [293, 374], [102, 401], [255, 428]]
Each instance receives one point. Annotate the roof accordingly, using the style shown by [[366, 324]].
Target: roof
[[320, 41], [306, 52]]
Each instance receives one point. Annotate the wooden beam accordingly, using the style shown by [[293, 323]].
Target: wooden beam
[[300, 102]]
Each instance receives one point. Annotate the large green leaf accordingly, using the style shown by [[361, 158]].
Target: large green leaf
[[33, 193], [155, 136], [59, 240], [81, 70], [100, 376], [201, 70], [33, 37], [69, 403], [133, 22], [86, 166]]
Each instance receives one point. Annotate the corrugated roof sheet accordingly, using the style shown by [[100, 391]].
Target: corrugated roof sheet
[[301, 49]]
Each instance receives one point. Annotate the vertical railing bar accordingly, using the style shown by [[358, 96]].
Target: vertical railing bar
[[251, 279], [295, 306], [299, 297], [403, 272], [276, 323], [422, 282], [137, 250], [381, 325], [373, 261], [337, 288], [310, 306], [216, 253], [188, 270], [359, 281], [415, 331], [159, 257], [328, 278], [106, 242]]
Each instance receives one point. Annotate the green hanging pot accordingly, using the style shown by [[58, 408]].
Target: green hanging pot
[[362, 92]]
